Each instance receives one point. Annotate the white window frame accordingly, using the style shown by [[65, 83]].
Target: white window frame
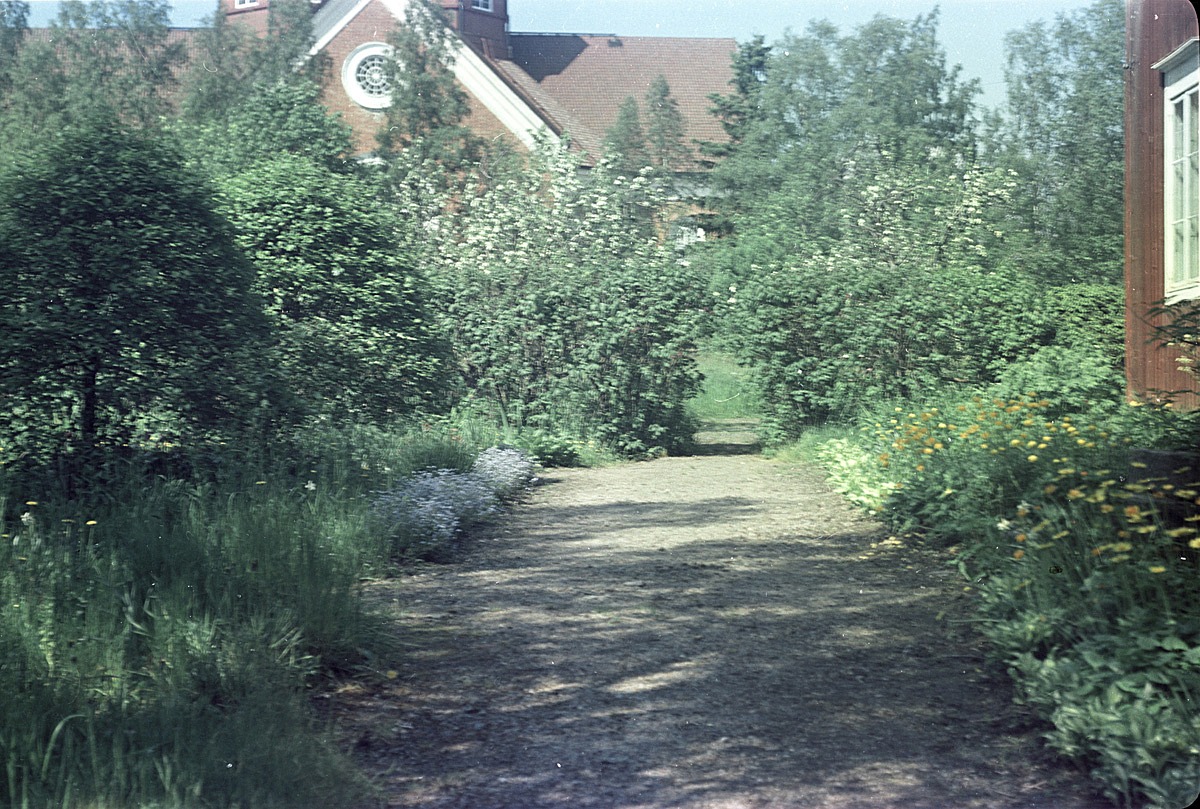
[[1181, 172], [350, 81], [482, 5], [244, 3]]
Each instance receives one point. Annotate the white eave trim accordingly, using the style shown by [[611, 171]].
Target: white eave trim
[[474, 74], [1185, 50], [493, 93], [324, 41]]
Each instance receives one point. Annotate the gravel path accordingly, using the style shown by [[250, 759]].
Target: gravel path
[[708, 633]]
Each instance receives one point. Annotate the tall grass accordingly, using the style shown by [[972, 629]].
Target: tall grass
[[160, 638]]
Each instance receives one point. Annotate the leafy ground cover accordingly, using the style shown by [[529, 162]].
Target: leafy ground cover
[[1083, 562]]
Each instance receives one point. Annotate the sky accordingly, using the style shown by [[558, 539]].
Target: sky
[[972, 31]]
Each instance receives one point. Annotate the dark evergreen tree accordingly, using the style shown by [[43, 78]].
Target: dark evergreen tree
[[626, 141], [664, 128], [737, 110]]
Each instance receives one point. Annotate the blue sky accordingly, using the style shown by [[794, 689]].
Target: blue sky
[[972, 31]]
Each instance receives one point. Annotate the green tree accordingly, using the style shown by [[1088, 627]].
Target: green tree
[[626, 141], [740, 108], [266, 120], [664, 127], [107, 57], [1063, 137], [428, 107], [564, 317], [347, 308], [14, 25], [233, 65], [127, 305], [833, 115]]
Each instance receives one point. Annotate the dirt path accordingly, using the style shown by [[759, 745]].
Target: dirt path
[[703, 633]]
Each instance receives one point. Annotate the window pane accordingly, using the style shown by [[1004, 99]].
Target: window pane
[[1194, 117], [1178, 139], [1192, 256], [1179, 188]]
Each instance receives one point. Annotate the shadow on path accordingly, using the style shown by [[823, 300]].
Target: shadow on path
[[707, 633]]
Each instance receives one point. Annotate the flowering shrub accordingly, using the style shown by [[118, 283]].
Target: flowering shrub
[[505, 469], [427, 511], [1085, 562]]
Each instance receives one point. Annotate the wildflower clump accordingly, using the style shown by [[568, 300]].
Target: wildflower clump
[[426, 512]]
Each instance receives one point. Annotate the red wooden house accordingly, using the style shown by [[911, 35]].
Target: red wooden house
[[1162, 191]]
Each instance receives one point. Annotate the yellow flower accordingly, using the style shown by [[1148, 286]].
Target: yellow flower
[[1074, 494], [1133, 512], [1021, 537], [1050, 489], [1032, 458], [1180, 532], [1121, 547], [31, 502], [1195, 543], [1157, 569], [90, 522], [1106, 508], [1018, 553]]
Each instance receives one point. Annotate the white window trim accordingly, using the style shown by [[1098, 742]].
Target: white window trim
[[244, 3], [482, 5], [1181, 78], [358, 94]]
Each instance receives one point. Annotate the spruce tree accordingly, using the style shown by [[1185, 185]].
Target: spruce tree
[[626, 141], [664, 127]]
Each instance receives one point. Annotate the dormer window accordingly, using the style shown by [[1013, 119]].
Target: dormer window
[[1181, 172], [482, 5]]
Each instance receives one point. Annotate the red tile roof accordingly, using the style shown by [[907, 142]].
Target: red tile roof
[[587, 76]]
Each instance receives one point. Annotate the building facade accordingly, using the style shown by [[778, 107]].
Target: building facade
[[1162, 191]]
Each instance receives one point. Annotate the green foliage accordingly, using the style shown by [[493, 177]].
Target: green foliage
[[834, 334], [347, 310], [626, 140], [284, 118], [665, 148], [158, 641], [428, 107], [127, 302], [740, 108], [109, 58], [234, 59], [1084, 562], [562, 316], [1063, 137], [14, 26], [1090, 316]]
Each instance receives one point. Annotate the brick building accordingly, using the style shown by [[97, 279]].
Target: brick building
[[520, 86]]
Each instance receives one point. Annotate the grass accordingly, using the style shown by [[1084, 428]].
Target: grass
[[161, 639], [728, 392]]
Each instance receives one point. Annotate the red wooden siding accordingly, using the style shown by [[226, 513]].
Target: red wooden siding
[[1154, 29]]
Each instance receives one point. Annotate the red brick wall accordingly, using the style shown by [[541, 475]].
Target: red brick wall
[[375, 24]]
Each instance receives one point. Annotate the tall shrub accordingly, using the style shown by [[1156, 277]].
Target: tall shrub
[[566, 310]]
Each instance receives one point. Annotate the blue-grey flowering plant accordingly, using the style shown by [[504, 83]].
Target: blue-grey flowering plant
[[428, 511]]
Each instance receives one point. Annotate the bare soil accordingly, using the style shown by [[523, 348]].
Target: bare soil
[[708, 632]]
